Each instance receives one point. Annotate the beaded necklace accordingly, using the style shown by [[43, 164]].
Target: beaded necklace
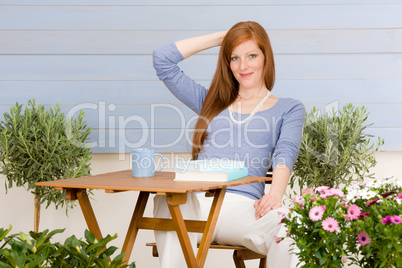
[[256, 109]]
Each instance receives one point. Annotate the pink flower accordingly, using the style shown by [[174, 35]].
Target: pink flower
[[316, 213], [308, 191], [364, 214], [347, 217], [298, 199], [397, 219], [281, 215], [336, 192], [399, 196], [363, 238], [324, 194], [387, 220], [313, 199], [369, 203], [277, 239], [354, 212], [344, 259], [387, 194], [321, 188], [330, 224]]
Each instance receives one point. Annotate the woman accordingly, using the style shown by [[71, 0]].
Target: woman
[[239, 119]]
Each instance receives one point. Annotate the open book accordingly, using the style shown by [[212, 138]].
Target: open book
[[210, 170]]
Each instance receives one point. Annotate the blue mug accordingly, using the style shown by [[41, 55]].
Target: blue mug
[[143, 161]]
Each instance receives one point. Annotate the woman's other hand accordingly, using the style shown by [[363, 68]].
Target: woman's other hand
[[265, 205]]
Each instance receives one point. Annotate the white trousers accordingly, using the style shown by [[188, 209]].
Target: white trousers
[[236, 225]]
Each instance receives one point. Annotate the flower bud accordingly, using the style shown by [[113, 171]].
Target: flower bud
[[344, 259]]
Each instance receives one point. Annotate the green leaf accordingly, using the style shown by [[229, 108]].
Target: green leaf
[[90, 237]]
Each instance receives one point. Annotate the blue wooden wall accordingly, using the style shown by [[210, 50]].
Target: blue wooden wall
[[96, 55]]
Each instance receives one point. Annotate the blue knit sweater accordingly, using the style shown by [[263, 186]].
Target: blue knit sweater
[[270, 138]]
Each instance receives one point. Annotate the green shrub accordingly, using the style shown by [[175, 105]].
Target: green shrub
[[36, 251], [42, 145], [335, 149]]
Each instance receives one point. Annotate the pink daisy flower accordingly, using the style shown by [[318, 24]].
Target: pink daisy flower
[[397, 219], [316, 213], [363, 238], [324, 194], [399, 196], [298, 199], [281, 215], [387, 220], [330, 224], [354, 212], [309, 191], [321, 188], [336, 192]]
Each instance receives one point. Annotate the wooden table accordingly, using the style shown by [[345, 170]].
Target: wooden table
[[162, 184]]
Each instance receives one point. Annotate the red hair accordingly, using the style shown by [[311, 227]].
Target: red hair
[[224, 87]]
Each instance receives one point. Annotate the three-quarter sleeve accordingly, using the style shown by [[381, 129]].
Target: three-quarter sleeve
[[287, 147], [165, 62]]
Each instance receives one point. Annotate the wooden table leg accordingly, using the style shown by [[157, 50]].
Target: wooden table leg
[[210, 226], [89, 214], [173, 201], [132, 229]]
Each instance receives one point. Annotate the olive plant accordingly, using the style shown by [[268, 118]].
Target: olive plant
[[335, 150], [38, 144]]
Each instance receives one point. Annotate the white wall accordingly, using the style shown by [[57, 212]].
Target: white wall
[[114, 211]]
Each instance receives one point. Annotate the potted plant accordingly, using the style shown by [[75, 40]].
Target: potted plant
[[361, 224], [36, 250], [380, 226], [334, 150], [318, 223], [41, 145]]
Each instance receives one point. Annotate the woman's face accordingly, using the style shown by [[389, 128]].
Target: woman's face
[[247, 64]]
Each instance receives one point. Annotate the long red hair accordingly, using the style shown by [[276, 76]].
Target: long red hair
[[224, 87]]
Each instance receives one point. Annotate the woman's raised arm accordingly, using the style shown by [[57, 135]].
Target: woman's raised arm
[[191, 46]]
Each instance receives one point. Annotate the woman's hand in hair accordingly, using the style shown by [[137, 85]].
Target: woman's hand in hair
[[265, 205]]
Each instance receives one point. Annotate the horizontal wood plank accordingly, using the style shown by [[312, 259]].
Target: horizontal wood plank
[[189, 3], [198, 17], [178, 140], [143, 42], [180, 117], [167, 224], [139, 67], [111, 93], [116, 93]]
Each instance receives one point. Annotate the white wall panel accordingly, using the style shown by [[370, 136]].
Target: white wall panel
[[143, 42], [197, 18], [139, 67], [98, 53]]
